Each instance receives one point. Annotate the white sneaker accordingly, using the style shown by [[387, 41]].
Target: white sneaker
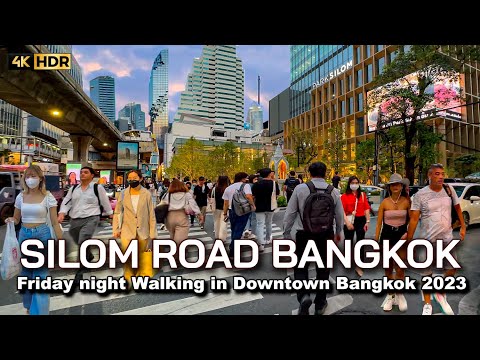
[[388, 303], [401, 302], [261, 248], [441, 299], [427, 309], [269, 240], [246, 235], [252, 236]]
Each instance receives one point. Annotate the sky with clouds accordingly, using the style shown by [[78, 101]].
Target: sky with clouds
[[130, 65]]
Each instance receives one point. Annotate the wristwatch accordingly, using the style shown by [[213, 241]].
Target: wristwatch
[[368, 221]]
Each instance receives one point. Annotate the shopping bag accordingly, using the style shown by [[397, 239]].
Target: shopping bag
[[210, 206], [145, 262], [10, 265]]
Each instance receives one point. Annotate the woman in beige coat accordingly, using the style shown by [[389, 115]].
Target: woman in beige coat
[[138, 219]]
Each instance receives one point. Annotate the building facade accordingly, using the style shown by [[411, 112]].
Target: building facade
[[102, 93], [158, 95], [255, 118], [311, 63], [136, 117], [215, 88], [76, 70], [338, 96], [278, 112]]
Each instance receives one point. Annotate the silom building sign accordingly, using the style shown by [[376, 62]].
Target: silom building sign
[[333, 74]]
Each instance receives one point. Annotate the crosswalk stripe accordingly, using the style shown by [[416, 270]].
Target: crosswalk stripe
[[82, 298], [195, 305]]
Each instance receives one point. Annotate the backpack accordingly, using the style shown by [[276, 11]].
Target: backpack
[[453, 211], [291, 183], [240, 203], [319, 210], [95, 190]]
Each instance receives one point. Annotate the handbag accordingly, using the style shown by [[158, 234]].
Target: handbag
[[145, 262], [10, 265], [211, 202], [161, 210], [188, 207]]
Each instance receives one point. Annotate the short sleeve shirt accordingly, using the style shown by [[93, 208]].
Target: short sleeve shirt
[[435, 211]]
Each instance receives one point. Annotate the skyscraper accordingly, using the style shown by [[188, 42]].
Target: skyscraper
[[135, 115], [102, 92], [215, 87], [255, 117], [158, 95]]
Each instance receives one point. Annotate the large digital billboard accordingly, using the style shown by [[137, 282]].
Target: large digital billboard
[[73, 173], [446, 101], [127, 155]]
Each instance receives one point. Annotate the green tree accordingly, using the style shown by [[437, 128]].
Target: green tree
[[334, 146], [365, 154], [467, 164], [403, 98], [190, 160], [305, 148], [427, 152]]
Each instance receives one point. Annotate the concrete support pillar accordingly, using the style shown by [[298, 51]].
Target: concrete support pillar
[[81, 144]]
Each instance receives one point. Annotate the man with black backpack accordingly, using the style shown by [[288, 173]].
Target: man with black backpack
[[290, 185], [310, 214], [85, 204]]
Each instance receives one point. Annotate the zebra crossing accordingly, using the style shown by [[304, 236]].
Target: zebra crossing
[[159, 303]]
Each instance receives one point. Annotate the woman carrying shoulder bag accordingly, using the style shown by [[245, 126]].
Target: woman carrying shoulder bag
[[180, 204], [357, 214], [33, 206]]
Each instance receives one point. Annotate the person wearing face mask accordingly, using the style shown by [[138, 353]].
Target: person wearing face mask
[[138, 219], [32, 207], [85, 203], [356, 214]]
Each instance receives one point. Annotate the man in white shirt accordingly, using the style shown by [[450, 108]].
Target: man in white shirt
[[434, 205], [237, 223], [85, 210]]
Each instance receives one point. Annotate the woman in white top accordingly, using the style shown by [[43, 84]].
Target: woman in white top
[[137, 221], [181, 203], [32, 207]]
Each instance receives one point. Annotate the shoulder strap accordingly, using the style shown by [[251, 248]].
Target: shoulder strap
[[447, 190], [311, 187], [95, 190], [329, 189], [71, 194], [241, 187]]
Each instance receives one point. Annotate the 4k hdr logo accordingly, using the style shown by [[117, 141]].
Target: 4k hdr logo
[[40, 61]]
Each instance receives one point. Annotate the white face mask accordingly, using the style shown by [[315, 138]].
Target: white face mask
[[354, 187], [32, 182]]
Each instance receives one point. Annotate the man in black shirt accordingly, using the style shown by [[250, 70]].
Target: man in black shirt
[[336, 180], [264, 192], [290, 185], [200, 194]]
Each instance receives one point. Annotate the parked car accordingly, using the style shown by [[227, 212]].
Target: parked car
[[474, 176], [469, 196]]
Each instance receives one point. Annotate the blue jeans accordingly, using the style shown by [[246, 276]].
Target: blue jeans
[[252, 222], [37, 302], [237, 224]]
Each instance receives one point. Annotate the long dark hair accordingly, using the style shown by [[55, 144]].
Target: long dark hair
[[222, 183], [349, 191]]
